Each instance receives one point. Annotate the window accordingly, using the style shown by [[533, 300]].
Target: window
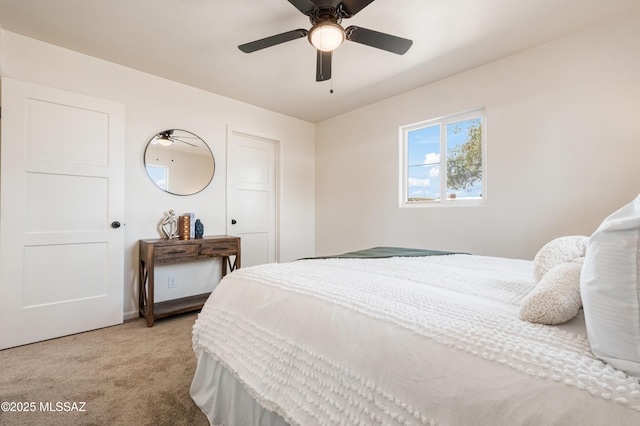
[[159, 175], [443, 161]]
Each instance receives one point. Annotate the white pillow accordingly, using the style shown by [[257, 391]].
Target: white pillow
[[556, 299], [557, 251], [610, 287]]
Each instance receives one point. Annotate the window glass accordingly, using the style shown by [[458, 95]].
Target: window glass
[[464, 159], [158, 174], [423, 174]]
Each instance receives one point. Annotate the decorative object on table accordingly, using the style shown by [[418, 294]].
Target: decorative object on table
[[184, 227], [169, 225], [199, 228], [192, 224]]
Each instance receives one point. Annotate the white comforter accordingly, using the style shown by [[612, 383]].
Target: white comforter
[[407, 341]]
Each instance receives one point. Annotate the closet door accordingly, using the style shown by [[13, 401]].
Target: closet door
[[252, 207], [62, 198]]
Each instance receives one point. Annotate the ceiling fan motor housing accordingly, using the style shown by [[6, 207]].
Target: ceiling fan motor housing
[[323, 14]]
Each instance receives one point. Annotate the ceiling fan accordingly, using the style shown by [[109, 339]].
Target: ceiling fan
[[167, 138], [326, 33]]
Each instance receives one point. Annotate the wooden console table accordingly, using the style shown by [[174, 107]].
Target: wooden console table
[[164, 251]]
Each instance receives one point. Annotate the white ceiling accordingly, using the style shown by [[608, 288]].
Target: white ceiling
[[195, 42]]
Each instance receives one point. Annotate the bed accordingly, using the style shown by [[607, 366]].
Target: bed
[[421, 338]]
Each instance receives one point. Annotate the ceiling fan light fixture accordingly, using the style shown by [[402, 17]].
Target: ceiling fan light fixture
[[326, 36], [163, 139]]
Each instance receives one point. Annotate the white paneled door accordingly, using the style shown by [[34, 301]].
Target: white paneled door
[[252, 195], [62, 199]]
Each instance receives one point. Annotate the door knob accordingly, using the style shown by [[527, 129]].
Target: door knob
[[115, 224], [233, 221]]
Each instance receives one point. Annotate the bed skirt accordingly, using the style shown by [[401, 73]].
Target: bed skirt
[[224, 400]]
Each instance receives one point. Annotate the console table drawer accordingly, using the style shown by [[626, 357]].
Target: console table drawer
[[172, 252], [221, 248]]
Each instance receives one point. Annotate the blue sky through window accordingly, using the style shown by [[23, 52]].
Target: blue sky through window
[[158, 174], [423, 175]]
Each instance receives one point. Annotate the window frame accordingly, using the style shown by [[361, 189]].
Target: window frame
[[443, 122]]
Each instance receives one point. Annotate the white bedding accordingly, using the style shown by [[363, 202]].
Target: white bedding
[[404, 341]]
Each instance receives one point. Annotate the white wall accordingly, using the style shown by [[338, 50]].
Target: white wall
[[562, 140], [154, 104]]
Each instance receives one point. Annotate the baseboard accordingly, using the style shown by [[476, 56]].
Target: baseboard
[[128, 316]]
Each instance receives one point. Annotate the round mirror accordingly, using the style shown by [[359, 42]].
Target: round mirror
[[179, 162]]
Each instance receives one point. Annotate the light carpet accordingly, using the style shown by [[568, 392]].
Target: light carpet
[[121, 375]]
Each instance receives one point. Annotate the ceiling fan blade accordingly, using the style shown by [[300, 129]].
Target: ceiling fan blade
[[304, 6], [351, 7], [272, 41], [323, 65], [379, 40], [184, 142]]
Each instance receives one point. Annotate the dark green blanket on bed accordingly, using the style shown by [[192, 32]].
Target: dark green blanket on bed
[[382, 252]]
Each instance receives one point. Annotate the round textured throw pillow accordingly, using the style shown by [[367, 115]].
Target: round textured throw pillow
[[556, 298], [555, 252]]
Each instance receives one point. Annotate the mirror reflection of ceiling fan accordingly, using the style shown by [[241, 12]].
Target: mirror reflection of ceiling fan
[[167, 138], [326, 33]]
